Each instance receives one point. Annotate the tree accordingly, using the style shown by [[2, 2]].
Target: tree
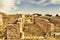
[[57, 15], [37, 14], [48, 15]]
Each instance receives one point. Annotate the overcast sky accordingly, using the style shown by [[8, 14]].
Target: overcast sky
[[30, 6]]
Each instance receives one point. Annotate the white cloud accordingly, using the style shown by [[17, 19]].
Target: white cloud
[[40, 2], [33, 1], [55, 1], [47, 3], [7, 5], [19, 1], [43, 2], [30, 1]]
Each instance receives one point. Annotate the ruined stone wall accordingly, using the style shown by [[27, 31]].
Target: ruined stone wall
[[13, 32], [1, 19]]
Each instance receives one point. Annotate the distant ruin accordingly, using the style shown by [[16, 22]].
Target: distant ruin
[[19, 26]]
